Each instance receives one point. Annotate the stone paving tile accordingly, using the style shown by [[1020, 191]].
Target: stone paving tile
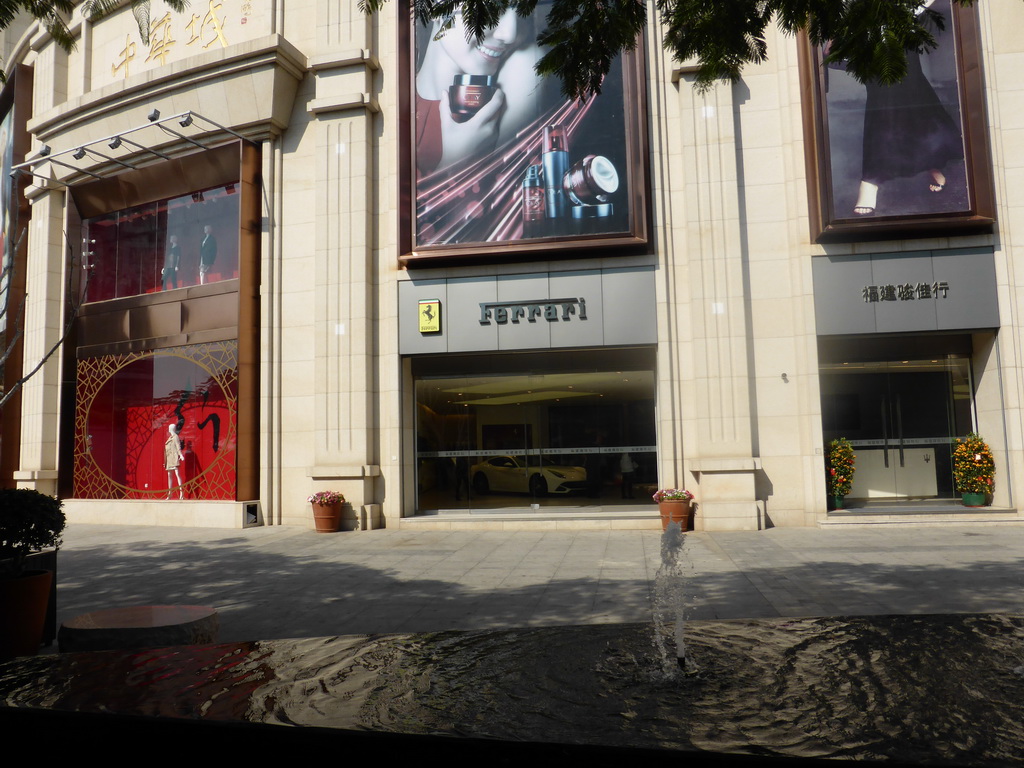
[[289, 582]]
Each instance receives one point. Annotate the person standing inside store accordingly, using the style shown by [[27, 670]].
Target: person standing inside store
[[207, 253], [628, 468]]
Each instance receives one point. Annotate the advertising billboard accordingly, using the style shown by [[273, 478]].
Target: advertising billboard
[[496, 156], [906, 156]]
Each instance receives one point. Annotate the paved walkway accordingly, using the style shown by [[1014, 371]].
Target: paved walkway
[[281, 582]]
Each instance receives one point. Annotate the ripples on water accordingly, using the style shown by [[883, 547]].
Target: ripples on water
[[910, 688]]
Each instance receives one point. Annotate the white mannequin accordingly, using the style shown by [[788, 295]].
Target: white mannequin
[[172, 458]]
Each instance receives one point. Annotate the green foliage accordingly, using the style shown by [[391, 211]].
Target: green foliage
[[974, 469], [839, 467], [29, 521], [585, 36]]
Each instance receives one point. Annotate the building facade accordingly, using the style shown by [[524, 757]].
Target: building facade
[[284, 250]]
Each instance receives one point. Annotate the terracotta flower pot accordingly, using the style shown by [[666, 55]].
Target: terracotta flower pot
[[675, 511], [327, 517], [23, 602]]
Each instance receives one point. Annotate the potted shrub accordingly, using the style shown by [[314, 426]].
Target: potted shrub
[[974, 470], [326, 510], [839, 471], [675, 507], [29, 521]]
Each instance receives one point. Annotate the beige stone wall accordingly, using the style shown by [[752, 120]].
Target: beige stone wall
[[316, 82]]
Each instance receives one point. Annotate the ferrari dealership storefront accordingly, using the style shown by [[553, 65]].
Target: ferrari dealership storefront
[[514, 409]]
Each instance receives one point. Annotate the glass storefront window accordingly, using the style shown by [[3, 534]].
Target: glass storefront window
[[173, 243], [581, 438], [129, 405]]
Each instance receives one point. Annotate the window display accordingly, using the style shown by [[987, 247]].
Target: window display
[[161, 246], [158, 424]]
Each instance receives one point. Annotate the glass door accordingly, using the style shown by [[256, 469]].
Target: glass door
[[901, 417]]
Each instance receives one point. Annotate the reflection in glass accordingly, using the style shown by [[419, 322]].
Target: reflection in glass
[[173, 243]]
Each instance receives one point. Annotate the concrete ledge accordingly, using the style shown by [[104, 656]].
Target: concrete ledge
[[525, 521], [961, 518], [171, 512]]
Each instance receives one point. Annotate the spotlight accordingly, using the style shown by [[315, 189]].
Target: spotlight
[[79, 153], [186, 121], [44, 150], [153, 116], [114, 143]]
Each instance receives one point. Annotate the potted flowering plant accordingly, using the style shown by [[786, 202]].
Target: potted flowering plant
[[326, 510], [839, 470], [674, 507], [974, 470]]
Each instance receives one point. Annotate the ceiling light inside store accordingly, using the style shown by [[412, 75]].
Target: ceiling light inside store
[[527, 398]]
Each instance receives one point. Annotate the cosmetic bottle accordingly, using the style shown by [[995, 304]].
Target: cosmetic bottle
[[468, 93], [533, 203], [555, 159], [587, 219], [591, 181]]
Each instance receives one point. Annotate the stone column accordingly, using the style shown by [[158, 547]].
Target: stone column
[[720, 446], [344, 108], [43, 326]]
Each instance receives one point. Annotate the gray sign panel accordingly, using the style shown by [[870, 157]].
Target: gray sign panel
[[905, 292], [540, 310]]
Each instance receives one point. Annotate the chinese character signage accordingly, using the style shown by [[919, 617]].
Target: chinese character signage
[[895, 157], [497, 157], [905, 291], [205, 25], [949, 289]]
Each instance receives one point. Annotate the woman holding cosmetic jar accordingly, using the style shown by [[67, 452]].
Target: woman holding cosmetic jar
[[472, 97]]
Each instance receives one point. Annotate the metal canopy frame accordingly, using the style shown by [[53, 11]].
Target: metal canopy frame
[[69, 158]]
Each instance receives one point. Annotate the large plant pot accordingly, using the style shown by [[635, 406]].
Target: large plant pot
[[23, 602], [675, 511], [837, 502], [327, 517], [973, 499]]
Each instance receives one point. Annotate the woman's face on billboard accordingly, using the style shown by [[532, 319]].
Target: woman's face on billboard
[[487, 56]]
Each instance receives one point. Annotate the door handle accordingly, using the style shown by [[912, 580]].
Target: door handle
[[899, 426], [885, 432]]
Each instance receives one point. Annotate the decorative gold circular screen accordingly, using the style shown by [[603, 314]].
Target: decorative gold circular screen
[[124, 405]]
